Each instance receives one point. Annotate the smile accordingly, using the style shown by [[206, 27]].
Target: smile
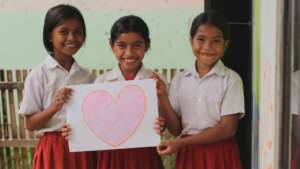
[[129, 60]]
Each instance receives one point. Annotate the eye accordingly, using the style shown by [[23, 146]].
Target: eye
[[121, 45], [217, 41], [63, 32], [137, 45], [200, 39], [78, 32]]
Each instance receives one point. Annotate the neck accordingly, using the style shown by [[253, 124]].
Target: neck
[[202, 69], [65, 62], [129, 74]]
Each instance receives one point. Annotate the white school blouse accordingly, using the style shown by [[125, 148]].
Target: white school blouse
[[41, 85], [117, 75], [201, 102]]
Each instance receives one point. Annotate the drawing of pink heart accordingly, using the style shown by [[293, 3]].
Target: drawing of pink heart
[[114, 120]]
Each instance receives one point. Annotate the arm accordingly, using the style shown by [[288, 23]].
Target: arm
[[37, 120], [171, 120], [226, 128], [223, 130]]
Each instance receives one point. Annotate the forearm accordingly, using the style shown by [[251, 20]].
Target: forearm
[[225, 129], [210, 135], [172, 121], [37, 120]]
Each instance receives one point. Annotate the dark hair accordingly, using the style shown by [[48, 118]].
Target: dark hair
[[128, 24], [213, 18], [55, 16]]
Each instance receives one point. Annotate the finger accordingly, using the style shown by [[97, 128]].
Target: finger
[[157, 131], [155, 75], [66, 98], [162, 129], [63, 92], [68, 91], [160, 118], [162, 122], [65, 129], [163, 150], [65, 136], [60, 102]]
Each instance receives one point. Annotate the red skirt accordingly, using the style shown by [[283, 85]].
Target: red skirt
[[135, 158], [220, 155], [52, 152]]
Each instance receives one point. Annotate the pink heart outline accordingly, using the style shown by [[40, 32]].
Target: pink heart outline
[[117, 108]]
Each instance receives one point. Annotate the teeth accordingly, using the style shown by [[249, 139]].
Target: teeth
[[70, 45], [129, 60]]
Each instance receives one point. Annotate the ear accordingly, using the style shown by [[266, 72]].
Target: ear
[[111, 45], [226, 45], [147, 47], [191, 40]]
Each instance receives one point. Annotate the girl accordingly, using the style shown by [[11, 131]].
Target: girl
[[45, 92], [129, 42], [205, 102]]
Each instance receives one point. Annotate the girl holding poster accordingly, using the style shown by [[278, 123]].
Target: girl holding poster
[[205, 102], [45, 92], [129, 41]]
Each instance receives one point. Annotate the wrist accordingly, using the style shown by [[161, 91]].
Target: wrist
[[180, 142], [51, 110], [164, 100]]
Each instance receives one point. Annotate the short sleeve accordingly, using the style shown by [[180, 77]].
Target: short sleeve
[[233, 101], [32, 101]]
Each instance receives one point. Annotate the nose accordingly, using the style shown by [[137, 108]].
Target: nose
[[71, 36], [129, 51], [207, 45]]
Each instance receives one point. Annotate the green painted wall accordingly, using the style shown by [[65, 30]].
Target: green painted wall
[[22, 47]]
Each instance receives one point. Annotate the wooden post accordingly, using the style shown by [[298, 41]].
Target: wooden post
[[6, 150], [15, 160], [3, 160], [25, 164]]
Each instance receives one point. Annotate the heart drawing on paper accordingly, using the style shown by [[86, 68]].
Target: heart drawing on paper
[[114, 120]]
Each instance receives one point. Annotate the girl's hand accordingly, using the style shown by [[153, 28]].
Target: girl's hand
[[168, 147], [160, 86], [65, 131], [60, 98], [160, 125]]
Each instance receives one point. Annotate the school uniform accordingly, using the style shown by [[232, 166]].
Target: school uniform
[[39, 89], [200, 103], [133, 158]]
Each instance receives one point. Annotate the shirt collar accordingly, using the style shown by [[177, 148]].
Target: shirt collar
[[51, 63], [218, 69], [116, 74]]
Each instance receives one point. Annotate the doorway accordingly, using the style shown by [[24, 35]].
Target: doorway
[[239, 58]]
